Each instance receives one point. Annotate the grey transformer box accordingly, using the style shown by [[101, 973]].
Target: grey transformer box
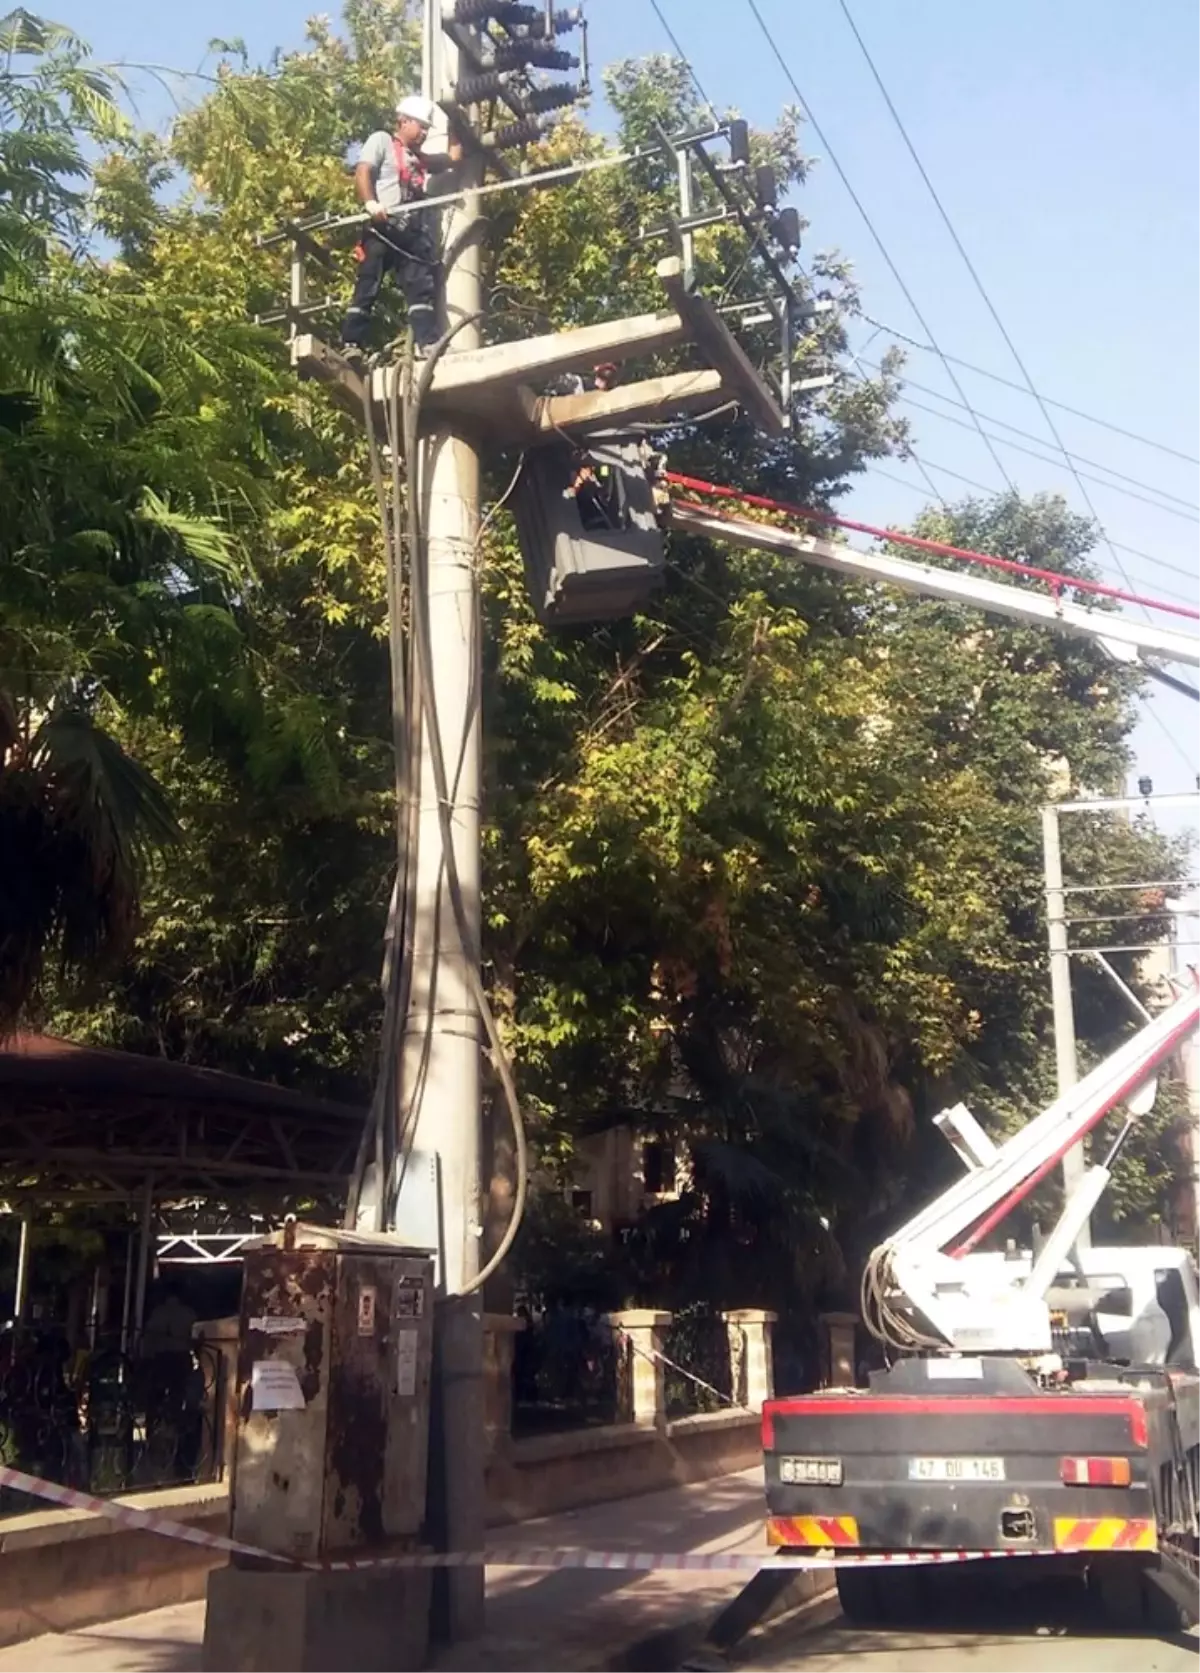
[[588, 525]]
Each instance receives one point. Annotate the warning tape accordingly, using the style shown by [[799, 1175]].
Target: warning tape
[[653, 1356], [517, 1556]]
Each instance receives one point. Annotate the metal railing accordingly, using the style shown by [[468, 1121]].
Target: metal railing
[[697, 1342], [107, 1421], [564, 1373]]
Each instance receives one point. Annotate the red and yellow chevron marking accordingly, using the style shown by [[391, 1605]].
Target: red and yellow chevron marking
[[1104, 1533], [812, 1530]]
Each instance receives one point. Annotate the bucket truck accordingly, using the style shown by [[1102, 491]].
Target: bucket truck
[[1043, 1403]]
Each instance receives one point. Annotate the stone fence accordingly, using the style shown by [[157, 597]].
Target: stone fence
[[645, 1449], [64, 1569]]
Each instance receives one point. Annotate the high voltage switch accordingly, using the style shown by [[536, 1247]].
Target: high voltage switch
[[501, 45]]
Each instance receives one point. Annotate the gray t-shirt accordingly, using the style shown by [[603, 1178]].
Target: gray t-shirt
[[379, 153]]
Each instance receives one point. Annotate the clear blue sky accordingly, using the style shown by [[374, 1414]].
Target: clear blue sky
[[1063, 138]]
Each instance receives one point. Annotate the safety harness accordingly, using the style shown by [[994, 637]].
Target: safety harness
[[411, 171]]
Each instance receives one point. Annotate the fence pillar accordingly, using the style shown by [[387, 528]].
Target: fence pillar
[[751, 1355], [499, 1337], [640, 1332], [839, 1361]]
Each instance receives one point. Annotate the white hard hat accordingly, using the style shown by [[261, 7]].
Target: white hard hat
[[417, 109]]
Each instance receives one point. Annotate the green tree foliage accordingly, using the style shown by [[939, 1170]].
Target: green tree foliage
[[763, 864]]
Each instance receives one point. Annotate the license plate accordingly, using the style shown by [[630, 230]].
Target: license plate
[[956, 1469], [810, 1472]]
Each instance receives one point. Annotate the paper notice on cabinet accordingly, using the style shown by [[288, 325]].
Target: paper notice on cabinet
[[273, 1324], [406, 1363], [275, 1387]]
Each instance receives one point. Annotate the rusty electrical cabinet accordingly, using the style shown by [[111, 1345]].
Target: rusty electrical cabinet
[[333, 1394]]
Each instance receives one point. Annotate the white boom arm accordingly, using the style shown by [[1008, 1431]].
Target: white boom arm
[[971, 1301], [1125, 639], [969, 1309]]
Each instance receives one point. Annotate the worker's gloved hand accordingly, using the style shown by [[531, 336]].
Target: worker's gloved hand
[[376, 210]]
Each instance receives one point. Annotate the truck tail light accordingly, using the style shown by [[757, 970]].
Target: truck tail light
[[768, 1429], [1095, 1472]]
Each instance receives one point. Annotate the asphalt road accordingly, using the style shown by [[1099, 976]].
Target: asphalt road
[[1052, 1628]]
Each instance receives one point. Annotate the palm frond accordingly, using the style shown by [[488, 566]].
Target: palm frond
[[202, 540], [102, 793]]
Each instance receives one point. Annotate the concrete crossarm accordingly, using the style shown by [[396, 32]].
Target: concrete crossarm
[[648, 399], [495, 386], [476, 373], [721, 349], [1124, 637]]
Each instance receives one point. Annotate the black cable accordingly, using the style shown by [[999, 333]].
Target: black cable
[[1051, 459], [871, 228], [1007, 383], [1175, 683], [983, 291], [406, 721], [423, 660], [1028, 435], [683, 58]]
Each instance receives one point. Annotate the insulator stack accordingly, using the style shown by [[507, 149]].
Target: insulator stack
[[511, 134], [522, 55], [508, 12], [470, 89], [542, 99], [570, 17]]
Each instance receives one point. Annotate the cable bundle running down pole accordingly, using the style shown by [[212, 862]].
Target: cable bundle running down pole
[[418, 711]]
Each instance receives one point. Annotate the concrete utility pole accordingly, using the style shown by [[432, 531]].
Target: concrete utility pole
[[492, 396], [1066, 1060], [439, 1078]]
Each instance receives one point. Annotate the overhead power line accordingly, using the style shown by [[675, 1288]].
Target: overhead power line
[[984, 293], [1003, 424], [683, 58], [1050, 459], [925, 465], [931, 346], [871, 228], [1008, 383]]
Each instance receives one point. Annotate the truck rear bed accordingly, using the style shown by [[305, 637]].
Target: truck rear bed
[[957, 1471]]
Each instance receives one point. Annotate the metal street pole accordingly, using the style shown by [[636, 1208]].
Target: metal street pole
[[21, 1292], [1066, 1060], [1182, 908], [440, 1051]]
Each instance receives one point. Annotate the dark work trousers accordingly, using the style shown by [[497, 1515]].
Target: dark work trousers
[[404, 248]]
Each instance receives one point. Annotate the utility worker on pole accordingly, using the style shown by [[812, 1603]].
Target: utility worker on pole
[[392, 170]]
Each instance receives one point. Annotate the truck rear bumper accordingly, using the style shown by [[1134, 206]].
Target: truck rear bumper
[[888, 1525]]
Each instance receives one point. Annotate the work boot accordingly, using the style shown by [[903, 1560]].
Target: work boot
[[352, 354]]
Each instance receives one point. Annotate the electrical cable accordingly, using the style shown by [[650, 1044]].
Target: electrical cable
[[871, 228], [1011, 347], [984, 293], [684, 59], [1028, 435], [1175, 683], [397, 975], [1054, 578], [1008, 383], [423, 659], [971, 482], [1145, 557], [1157, 673], [884, 1320]]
